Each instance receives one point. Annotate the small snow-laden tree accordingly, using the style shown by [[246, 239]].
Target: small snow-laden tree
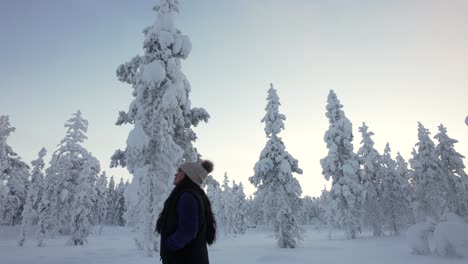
[[100, 205], [303, 216], [3, 195], [226, 181], [341, 165], [30, 214], [276, 186], [62, 179], [111, 198], [452, 164], [214, 192], [431, 187], [17, 184], [14, 175], [310, 211], [48, 214], [226, 208], [10, 205], [254, 212], [120, 206], [66, 164], [228, 205], [239, 210], [371, 180], [287, 230], [162, 117], [83, 201], [131, 198], [325, 207], [6, 152], [403, 172], [395, 203]]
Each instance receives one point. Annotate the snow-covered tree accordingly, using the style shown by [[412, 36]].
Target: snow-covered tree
[[14, 174], [395, 203], [239, 210], [276, 186], [310, 211], [226, 187], [254, 210], [130, 215], [162, 117], [430, 183], [67, 163], [30, 215], [62, 179], [6, 152], [228, 204], [10, 205], [111, 199], [402, 170], [214, 193], [325, 207], [48, 220], [100, 205], [371, 180], [120, 206], [225, 208], [17, 184], [454, 170], [341, 164], [82, 203]]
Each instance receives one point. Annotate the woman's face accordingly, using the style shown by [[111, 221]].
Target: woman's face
[[179, 176]]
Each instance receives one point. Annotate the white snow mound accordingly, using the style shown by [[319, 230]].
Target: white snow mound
[[451, 237], [418, 237]]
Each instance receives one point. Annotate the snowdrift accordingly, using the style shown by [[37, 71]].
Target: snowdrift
[[446, 239]]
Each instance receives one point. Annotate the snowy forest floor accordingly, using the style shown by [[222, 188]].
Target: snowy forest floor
[[115, 245]]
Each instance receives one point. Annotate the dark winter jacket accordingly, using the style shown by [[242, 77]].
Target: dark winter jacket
[[183, 227]]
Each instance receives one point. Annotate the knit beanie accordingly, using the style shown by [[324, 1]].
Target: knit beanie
[[196, 171]]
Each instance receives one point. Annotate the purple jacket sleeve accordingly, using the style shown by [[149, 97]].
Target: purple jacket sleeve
[[187, 226]]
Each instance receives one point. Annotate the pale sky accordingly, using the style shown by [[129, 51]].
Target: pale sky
[[392, 63]]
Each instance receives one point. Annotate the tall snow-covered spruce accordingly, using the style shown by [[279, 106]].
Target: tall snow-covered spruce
[[62, 183], [454, 172], [110, 201], [394, 201], [371, 179], [430, 195], [119, 205], [341, 164], [162, 117], [276, 185]]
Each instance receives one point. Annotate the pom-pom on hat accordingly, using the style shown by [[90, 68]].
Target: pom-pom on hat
[[197, 171]]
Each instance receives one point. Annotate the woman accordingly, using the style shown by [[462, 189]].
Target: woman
[[187, 223]]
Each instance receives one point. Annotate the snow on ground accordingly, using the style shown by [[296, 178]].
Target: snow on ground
[[115, 246]]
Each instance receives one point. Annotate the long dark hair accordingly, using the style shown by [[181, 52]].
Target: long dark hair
[[187, 184]]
